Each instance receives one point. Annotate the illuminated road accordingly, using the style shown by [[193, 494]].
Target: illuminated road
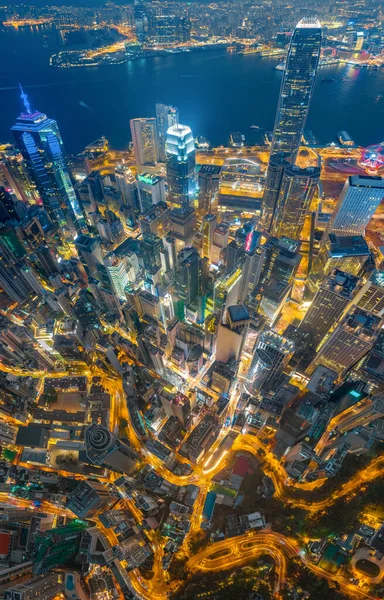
[[238, 550], [48, 507]]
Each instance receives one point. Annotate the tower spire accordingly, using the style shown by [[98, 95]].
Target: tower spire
[[25, 100]]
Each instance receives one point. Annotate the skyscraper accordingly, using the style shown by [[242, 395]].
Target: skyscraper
[[356, 205], [44, 587], [292, 110], [57, 547], [177, 404], [208, 184], [151, 191], [90, 254], [90, 497], [188, 275], [145, 142], [119, 271], [11, 281], [371, 297], [232, 333], [105, 449], [39, 140], [181, 164], [141, 18], [349, 342], [209, 226], [347, 253], [272, 354], [331, 302], [296, 191], [226, 291], [166, 117], [127, 185], [164, 30], [251, 271], [7, 207]]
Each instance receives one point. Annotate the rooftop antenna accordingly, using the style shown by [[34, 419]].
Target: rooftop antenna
[[25, 100]]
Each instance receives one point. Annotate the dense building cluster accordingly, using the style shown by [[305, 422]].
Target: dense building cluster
[[176, 318]]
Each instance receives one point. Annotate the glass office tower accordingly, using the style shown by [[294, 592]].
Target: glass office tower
[[180, 165], [297, 189], [166, 116], [292, 110], [39, 140]]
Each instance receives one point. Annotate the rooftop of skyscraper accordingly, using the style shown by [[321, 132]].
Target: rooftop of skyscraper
[[353, 245], [342, 283], [362, 323], [309, 23], [366, 181], [377, 278]]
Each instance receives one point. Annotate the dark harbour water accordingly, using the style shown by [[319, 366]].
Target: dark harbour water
[[216, 93]]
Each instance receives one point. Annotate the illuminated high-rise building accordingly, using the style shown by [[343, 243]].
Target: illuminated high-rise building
[[90, 254], [272, 354], [166, 117], [105, 449], [57, 547], [292, 110], [170, 254], [345, 253], [297, 189], [141, 18], [356, 205], [183, 222], [331, 302], [145, 142], [127, 186], [151, 191], [208, 184], [220, 243], [252, 266], [120, 273], [371, 297], [39, 140], [209, 226], [7, 207], [89, 498], [45, 587], [181, 164], [188, 275], [349, 342], [365, 410], [14, 176], [232, 333], [11, 281], [226, 291], [282, 260], [177, 405], [164, 30]]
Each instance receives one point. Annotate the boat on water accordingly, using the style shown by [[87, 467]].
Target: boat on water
[[280, 67], [255, 127], [328, 79]]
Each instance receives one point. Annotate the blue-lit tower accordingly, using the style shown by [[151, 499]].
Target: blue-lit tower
[[292, 109], [180, 165], [39, 140]]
